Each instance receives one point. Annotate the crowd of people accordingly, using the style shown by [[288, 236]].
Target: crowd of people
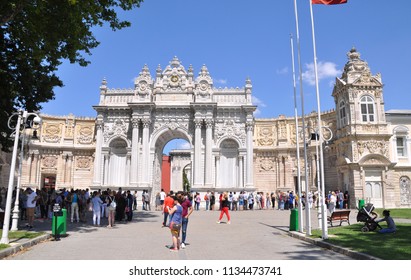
[[118, 206]]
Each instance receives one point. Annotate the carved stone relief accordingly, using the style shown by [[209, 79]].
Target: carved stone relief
[[85, 135], [52, 132], [83, 162], [373, 147], [266, 165], [282, 130], [49, 162], [69, 128], [265, 136], [405, 191], [117, 128], [230, 128]]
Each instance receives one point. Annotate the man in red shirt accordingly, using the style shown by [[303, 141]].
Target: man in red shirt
[[168, 201]]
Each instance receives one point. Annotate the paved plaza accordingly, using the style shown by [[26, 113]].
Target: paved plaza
[[252, 235]]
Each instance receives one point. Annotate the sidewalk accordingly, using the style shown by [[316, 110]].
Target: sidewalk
[[257, 234]]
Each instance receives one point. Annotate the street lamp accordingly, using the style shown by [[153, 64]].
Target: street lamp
[[21, 124]]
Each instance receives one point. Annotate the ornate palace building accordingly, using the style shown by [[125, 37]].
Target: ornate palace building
[[367, 151]]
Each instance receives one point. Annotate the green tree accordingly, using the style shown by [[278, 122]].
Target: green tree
[[36, 36]]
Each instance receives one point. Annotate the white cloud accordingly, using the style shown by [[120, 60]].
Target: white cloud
[[259, 104], [183, 146], [325, 70], [282, 71], [257, 101], [220, 81]]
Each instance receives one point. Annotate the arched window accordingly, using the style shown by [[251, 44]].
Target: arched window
[[342, 114], [367, 109]]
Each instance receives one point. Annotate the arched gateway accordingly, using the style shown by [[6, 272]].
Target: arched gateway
[[133, 126]]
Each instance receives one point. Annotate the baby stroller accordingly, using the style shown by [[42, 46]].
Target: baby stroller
[[366, 215]]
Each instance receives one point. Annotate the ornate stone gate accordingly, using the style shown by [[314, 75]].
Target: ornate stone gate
[[134, 125]]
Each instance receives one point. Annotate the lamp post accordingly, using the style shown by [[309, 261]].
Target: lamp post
[[22, 117]]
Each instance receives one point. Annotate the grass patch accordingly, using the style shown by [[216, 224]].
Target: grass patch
[[399, 213], [19, 234], [393, 246]]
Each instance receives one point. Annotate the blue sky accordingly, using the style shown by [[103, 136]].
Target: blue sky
[[237, 39]]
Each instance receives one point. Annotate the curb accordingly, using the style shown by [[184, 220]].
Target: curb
[[21, 246], [332, 247]]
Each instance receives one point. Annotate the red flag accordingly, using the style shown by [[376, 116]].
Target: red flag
[[329, 2]]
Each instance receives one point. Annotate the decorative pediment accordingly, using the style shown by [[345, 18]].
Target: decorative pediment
[[203, 85], [143, 83], [374, 160], [366, 79], [174, 78], [115, 129]]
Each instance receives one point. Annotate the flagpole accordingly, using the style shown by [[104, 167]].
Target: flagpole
[[300, 206], [307, 209], [320, 134]]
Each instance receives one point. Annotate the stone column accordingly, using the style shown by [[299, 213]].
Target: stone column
[[197, 153], [30, 167], [97, 159], [106, 170], [217, 169], [146, 150], [127, 171], [407, 149], [208, 153], [69, 168], [134, 152], [240, 171], [249, 166], [37, 168]]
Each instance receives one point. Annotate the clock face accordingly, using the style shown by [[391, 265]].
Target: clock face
[[203, 86], [174, 79]]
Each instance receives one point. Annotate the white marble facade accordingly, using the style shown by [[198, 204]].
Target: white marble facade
[[133, 126], [369, 154]]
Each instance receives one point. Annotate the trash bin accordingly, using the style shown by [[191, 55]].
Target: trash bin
[[61, 228], [294, 220], [361, 204]]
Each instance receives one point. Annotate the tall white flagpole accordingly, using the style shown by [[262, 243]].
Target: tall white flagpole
[[320, 134], [297, 141], [307, 209]]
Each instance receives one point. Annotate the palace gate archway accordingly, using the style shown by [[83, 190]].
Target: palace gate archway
[[133, 125]]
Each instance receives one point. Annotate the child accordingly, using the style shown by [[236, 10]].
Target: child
[[390, 223]]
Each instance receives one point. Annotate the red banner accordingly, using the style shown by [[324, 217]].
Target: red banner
[[328, 2]]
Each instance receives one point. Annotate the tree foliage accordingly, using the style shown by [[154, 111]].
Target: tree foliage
[[36, 36]]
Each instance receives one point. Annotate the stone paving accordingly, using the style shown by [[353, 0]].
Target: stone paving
[[252, 235]]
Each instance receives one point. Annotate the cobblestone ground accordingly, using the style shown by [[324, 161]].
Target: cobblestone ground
[[252, 235]]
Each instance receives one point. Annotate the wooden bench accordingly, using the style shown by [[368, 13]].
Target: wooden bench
[[342, 216]]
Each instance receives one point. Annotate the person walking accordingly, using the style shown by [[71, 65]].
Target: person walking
[[207, 200], [168, 203], [96, 206], [332, 202], [175, 223], [225, 205], [111, 207], [212, 201], [147, 201], [31, 206], [129, 206], [187, 210], [74, 206]]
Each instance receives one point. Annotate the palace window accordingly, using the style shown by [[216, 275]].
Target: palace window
[[401, 151], [342, 114], [367, 109]]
